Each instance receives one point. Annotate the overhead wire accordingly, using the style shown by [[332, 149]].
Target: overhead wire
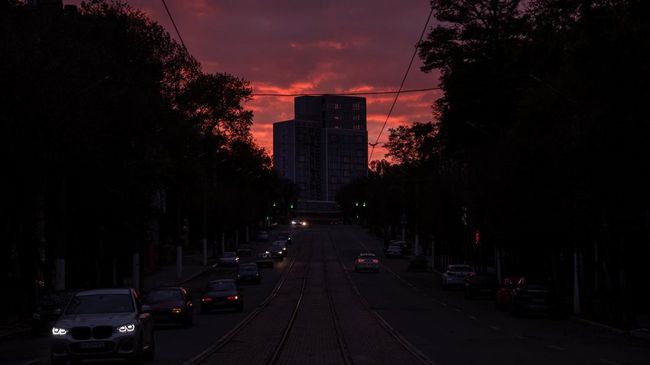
[[351, 93], [399, 91], [178, 33]]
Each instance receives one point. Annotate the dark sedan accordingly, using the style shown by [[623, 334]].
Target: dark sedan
[[534, 297], [170, 305], [221, 294], [248, 273], [480, 285]]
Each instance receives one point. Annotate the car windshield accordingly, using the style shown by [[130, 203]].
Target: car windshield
[[100, 303], [58, 299], [221, 286], [276, 248], [159, 296]]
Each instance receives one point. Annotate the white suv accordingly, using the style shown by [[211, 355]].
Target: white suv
[[106, 324]]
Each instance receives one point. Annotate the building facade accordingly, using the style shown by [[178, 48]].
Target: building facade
[[324, 147]]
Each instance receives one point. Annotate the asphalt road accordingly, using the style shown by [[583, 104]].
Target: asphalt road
[[314, 309]]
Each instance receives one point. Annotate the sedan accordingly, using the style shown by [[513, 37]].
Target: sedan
[[103, 324], [477, 285], [366, 262], [504, 292], [170, 305], [394, 251], [264, 259], [228, 259], [221, 294], [534, 297], [455, 276], [248, 273]]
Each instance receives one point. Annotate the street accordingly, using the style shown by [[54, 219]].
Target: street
[[313, 308]]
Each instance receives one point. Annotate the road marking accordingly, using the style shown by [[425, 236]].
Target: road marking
[[610, 362], [496, 328], [457, 310], [472, 318], [32, 362], [554, 347], [520, 337], [443, 304]]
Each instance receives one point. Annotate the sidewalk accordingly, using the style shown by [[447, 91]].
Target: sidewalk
[[164, 276]]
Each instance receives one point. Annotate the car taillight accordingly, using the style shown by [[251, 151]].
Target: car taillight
[[206, 299], [233, 297], [375, 261], [361, 261]]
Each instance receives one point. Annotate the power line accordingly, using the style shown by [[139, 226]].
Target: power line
[[352, 93], [408, 69], [175, 27]]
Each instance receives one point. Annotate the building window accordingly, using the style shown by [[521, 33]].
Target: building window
[[356, 106]]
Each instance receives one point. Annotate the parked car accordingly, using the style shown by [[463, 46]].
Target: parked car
[[221, 294], [480, 285], [228, 259], [534, 297], [503, 298], [366, 262], [49, 309], [248, 273], [264, 259], [394, 251], [455, 276], [418, 263], [170, 305], [244, 250], [103, 324]]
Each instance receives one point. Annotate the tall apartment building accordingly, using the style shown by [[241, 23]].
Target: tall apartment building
[[325, 147]]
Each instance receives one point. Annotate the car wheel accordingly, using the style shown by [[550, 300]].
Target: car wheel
[[150, 353]]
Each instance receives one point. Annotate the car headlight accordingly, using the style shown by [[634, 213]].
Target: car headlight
[[267, 252], [58, 331], [177, 310], [127, 328]]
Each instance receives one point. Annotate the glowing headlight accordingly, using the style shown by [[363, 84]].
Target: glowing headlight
[[267, 252], [177, 310], [59, 331], [293, 222], [127, 328]]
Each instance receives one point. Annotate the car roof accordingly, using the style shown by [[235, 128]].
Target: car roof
[[105, 291], [367, 254], [458, 265]]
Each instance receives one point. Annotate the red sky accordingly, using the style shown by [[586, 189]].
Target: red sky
[[301, 46]]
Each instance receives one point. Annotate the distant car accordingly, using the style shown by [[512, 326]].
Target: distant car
[[418, 263], [221, 294], [283, 245], [401, 243], [49, 309], [455, 276], [228, 259], [504, 293], [299, 222], [534, 297], [263, 236], [480, 285], [264, 259], [285, 236], [244, 250], [394, 251], [277, 251], [170, 305], [366, 262], [248, 273], [103, 324]]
